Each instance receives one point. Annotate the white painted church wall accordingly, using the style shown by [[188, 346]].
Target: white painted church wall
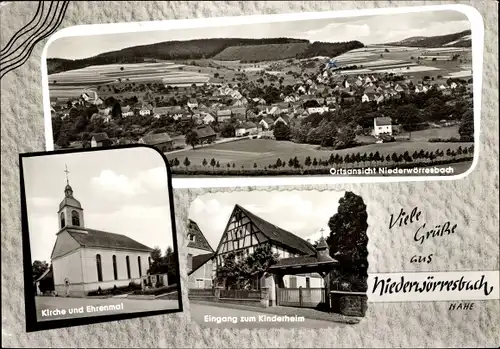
[[108, 280], [68, 266]]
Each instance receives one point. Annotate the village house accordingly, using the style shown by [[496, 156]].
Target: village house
[[382, 125], [100, 140], [205, 134], [199, 259], [246, 128], [223, 115], [207, 118], [127, 111], [280, 119], [145, 110], [266, 123], [192, 103], [162, 141], [319, 110]]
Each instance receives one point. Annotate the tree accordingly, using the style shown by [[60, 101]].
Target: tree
[[466, 129], [116, 111], [38, 268], [307, 161], [213, 163], [192, 138], [186, 162], [278, 162], [281, 132], [315, 162], [204, 162], [254, 165], [348, 242]]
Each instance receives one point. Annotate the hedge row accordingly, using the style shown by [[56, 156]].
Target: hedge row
[[157, 291], [307, 171]]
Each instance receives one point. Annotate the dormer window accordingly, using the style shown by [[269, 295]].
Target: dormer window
[[192, 237]]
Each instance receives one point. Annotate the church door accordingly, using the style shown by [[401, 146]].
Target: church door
[[66, 287]]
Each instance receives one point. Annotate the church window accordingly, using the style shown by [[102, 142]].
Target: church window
[[139, 264], [99, 267], [75, 218], [127, 260], [63, 220], [115, 268]]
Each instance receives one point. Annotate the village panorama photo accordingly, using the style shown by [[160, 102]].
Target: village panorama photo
[[98, 237], [374, 95], [278, 258]]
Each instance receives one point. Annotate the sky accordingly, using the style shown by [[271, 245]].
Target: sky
[[303, 213], [122, 191], [369, 30]]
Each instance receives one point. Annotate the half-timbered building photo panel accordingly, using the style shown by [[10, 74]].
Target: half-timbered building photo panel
[[290, 259], [99, 238]]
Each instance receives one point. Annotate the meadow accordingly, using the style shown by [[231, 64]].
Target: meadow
[[264, 152]]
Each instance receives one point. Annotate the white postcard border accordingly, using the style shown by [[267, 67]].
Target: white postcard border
[[477, 37]]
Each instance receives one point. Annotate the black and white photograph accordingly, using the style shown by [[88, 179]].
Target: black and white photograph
[[367, 95], [98, 236], [278, 258]]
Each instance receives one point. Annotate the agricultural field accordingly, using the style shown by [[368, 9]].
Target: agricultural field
[[272, 52], [72, 83], [265, 152]]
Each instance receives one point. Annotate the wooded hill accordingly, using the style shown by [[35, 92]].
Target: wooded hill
[[234, 48], [436, 41]]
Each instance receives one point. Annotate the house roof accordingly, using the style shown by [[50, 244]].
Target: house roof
[[200, 260], [268, 120], [200, 241], [156, 138], [226, 112], [238, 110], [279, 235], [100, 136], [383, 121], [204, 131], [247, 124], [98, 238]]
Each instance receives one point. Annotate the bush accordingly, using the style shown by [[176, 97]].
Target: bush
[[448, 140], [158, 290], [115, 290]]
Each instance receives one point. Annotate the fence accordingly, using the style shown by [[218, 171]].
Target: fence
[[300, 297], [241, 294], [205, 293]]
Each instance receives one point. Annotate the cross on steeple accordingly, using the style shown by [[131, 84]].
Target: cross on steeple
[[66, 170], [322, 230]]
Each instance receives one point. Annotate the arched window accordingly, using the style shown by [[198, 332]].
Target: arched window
[[63, 220], [75, 218], [127, 260], [99, 267], [115, 268], [139, 264]]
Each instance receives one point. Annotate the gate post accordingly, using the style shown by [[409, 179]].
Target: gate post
[[301, 297]]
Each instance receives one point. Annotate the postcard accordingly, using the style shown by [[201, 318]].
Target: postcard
[[99, 241], [307, 98], [337, 259]]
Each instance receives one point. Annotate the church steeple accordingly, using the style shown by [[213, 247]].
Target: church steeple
[[70, 210]]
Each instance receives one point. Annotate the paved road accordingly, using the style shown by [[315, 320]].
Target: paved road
[[48, 304], [237, 318]]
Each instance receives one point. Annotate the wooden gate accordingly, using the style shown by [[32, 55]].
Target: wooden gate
[[300, 297]]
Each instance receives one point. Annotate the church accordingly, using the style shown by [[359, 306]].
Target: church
[[85, 259]]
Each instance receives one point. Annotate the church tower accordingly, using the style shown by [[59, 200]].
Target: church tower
[[70, 210]]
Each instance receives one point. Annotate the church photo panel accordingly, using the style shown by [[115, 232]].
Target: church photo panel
[[99, 236]]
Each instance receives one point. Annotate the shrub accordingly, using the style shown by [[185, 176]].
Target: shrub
[[448, 140], [158, 290]]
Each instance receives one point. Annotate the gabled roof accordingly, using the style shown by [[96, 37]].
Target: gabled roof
[[383, 121], [156, 138], [204, 131], [279, 235], [98, 238], [200, 241], [226, 112], [199, 261], [99, 137]]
